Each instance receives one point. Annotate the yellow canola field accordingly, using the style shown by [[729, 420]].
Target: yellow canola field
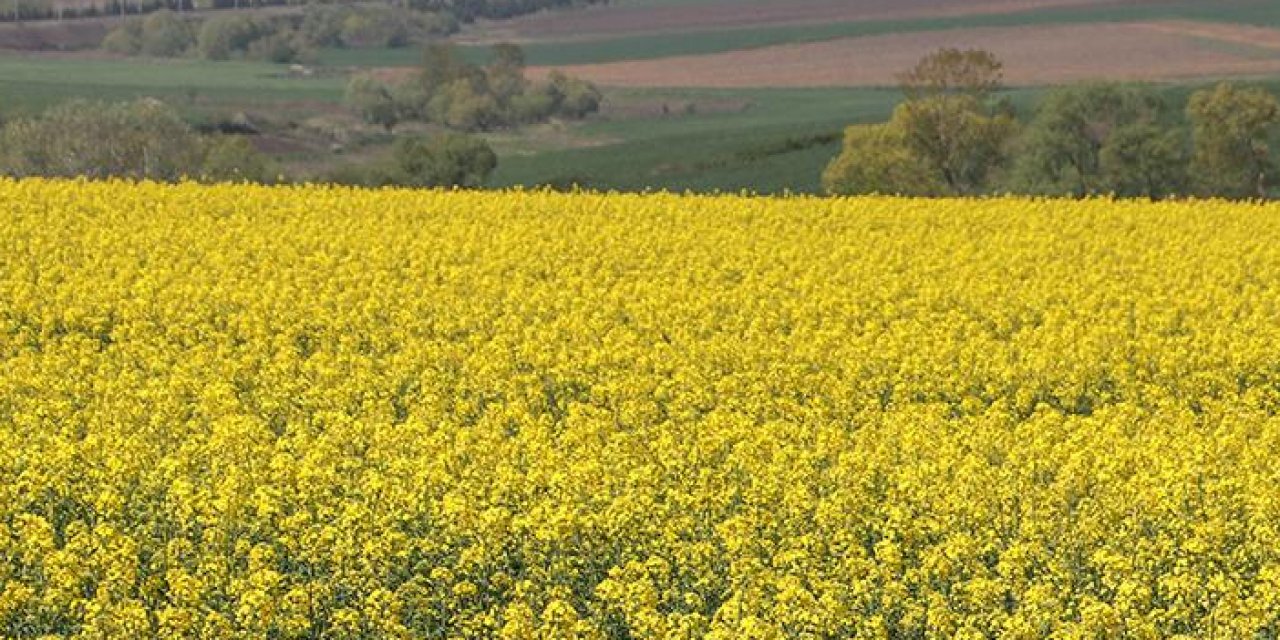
[[309, 412]]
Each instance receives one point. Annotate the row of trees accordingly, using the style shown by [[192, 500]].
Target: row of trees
[[458, 10], [147, 139], [953, 135], [454, 93], [275, 38]]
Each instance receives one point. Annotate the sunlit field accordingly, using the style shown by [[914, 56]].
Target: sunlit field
[[310, 412]]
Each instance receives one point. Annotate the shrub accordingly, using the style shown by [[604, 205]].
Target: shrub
[[144, 139], [165, 35], [141, 139], [223, 37], [372, 100], [574, 97], [125, 39], [375, 26], [448, 159], [234, 159], [279, 47]]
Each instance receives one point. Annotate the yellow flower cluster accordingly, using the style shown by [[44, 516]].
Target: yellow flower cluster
[[311, 412]]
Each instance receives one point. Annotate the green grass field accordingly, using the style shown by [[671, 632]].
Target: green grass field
[[772, 142], [29, 84]]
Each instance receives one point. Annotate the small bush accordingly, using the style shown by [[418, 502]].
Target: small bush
[[449, 159], [165, 35]]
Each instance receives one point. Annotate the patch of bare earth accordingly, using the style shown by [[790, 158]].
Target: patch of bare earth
[[1032, 55], [619, 19]]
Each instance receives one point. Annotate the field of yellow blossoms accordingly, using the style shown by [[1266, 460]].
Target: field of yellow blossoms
[[310, 412]]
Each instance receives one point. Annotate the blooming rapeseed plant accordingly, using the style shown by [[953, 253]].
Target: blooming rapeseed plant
[[315, 412]]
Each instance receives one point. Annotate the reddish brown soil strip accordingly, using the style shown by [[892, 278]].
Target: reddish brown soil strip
[[1032, 55]]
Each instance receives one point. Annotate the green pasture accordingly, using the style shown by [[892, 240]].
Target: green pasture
[[30, 83], [765, 140]]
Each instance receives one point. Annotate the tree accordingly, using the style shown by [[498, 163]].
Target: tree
[[466, 105], [947, 136], [1145, 160], [1101, 138], [141, 139], [447, 159], [125, 39], [1232, 133], [222, 37], [233, 159], [932, 146], [375, 26], [144, 139], [972, 72], [373, 100], [505, 74], [574, 97], [876, 159], [958, 143], [459, 95], [442, 65], [165, 35], [279, 47]]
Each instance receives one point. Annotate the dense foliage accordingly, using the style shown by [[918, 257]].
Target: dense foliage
[[243, 412], [950, 136], [286, 38], [451, 10], [139, 139], [451, 92]]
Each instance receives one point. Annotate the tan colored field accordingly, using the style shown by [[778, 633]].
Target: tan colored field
[[1033, 55], [621, 19], [1261, 37]]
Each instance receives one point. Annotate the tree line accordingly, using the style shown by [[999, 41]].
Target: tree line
[[456, 97], [279, 38], [457, 10], [147, 139], [449, 91], [954, 134]]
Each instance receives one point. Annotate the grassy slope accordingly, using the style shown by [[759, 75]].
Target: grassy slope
[[726, 151], [29, 84]]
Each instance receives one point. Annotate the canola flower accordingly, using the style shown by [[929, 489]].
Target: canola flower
[[313, 412]]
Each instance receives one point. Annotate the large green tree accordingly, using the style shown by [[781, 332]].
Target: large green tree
[[950, 71], [947, 138], [1098, 139], [1233, 132]]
